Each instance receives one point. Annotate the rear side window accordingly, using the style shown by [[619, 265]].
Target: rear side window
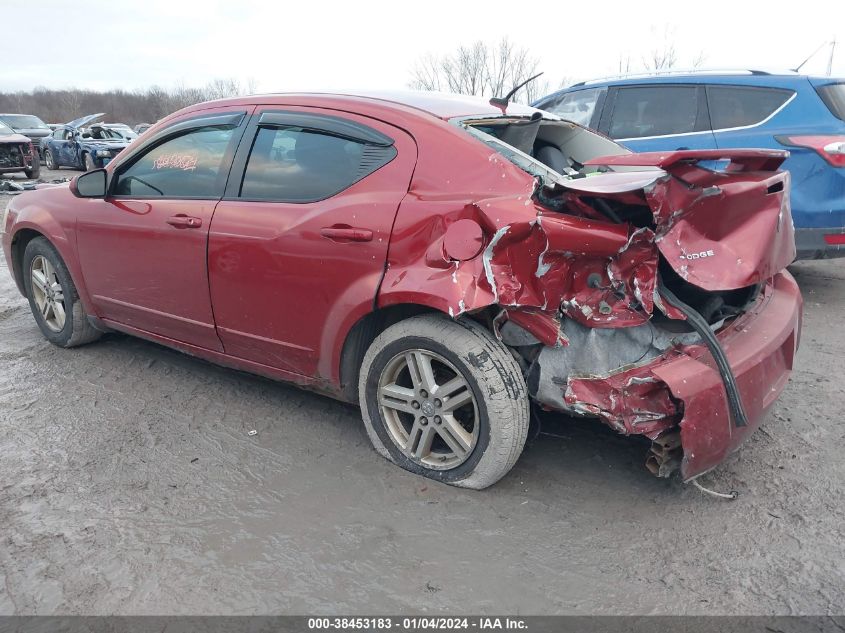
[[834, 98], [736, 106], [292, 164], [654, 111], [578, 107], [187, 166]]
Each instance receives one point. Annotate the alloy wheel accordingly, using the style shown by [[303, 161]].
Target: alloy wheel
[[47, 293], [429, 409]]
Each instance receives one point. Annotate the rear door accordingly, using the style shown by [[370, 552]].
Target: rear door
[[658, 117], [300, 240], [143, 248]]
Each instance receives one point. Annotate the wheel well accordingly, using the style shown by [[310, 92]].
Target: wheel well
[[361, 336], [365, 331], [19, 242]]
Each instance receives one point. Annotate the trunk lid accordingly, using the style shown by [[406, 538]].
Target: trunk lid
[[718, 230]]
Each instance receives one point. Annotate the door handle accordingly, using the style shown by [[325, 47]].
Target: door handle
[[182, 221], [346, 234]]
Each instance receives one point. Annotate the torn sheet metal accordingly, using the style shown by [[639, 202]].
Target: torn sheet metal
[[602, 373], [681, 386]]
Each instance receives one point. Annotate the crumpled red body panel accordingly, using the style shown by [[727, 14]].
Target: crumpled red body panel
[[719, 230], [683, 386], [540, 266]]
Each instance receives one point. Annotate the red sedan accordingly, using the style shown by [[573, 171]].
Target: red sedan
[[441, 261]]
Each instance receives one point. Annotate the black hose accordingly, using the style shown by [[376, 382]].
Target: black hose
[[607, 211], [700, 325]]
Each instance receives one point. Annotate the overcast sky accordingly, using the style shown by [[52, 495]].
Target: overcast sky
[[101, 44]]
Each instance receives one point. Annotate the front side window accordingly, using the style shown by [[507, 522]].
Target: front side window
[[654, 111], [292, 164], [738, 106], [5, 130], [188, 166], [578, 107]]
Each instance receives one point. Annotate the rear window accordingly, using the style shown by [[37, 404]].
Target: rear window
[[654, 111], [834, 98], [739, 106]]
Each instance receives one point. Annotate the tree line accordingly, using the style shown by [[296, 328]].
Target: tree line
[[124, 106]]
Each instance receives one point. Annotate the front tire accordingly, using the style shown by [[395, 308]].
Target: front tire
[[53, 297], [445, 400], [35, 172], [51, 162], [89, 163]]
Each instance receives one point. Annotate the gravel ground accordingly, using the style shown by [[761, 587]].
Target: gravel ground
[[129, 484]]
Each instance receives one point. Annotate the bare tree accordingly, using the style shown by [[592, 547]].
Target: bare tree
[[143, 106], [698, 60], [480, 69], [663, 55]]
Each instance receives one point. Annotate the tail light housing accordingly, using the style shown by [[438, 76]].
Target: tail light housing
[[828, 146]]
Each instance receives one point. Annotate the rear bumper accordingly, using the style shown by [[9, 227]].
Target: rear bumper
[[814, 243], [683, 388]]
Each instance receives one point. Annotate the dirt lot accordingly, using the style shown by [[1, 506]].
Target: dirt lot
[[129, 484]]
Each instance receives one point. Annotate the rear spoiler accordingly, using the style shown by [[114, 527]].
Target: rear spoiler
[[740, 159]]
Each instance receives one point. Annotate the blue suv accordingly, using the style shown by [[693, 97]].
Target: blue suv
[[730, 109]]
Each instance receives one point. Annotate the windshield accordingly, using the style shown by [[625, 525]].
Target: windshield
[[24, 122], [5, 130]]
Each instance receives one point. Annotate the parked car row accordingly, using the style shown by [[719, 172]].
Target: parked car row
[[83, 143], [75, 145]]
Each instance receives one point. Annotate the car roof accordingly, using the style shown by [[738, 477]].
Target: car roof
[[441, 105], [763, 78]]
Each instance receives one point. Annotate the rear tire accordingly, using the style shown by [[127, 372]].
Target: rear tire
[[405, 419], [53, 297]]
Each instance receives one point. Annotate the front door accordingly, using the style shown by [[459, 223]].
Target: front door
[[143, 248], [66, 149], [300, 239]]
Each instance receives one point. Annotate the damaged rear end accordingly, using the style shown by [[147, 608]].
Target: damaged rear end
[[687, 333], [645, 290]]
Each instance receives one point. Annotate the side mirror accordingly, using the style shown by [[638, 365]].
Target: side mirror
[[91, 184]]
